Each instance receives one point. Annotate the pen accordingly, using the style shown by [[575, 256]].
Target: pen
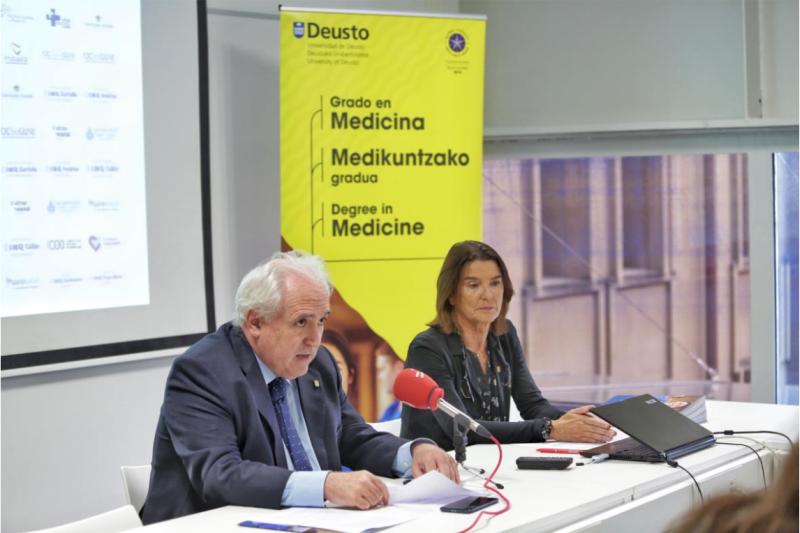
[[283, 527], [557, 450], [595, 459], [274, 527]]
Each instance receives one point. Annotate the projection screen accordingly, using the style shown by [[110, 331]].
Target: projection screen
[[106, 214]]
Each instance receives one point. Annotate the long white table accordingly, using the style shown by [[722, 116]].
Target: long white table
[[612, 496]]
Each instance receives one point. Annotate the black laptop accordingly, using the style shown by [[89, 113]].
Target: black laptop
[[658, 432]]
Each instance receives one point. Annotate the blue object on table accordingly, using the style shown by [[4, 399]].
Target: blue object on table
[[620, 397]]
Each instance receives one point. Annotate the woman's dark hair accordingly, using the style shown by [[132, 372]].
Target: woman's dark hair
[[460, 255], [337, 339]]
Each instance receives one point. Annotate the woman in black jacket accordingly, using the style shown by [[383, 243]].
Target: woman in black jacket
[[472, 351]]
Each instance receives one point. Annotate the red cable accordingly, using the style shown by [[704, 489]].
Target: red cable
[[487, 486]]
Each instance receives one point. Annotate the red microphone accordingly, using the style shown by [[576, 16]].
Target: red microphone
[[420, 391], [417, 389]]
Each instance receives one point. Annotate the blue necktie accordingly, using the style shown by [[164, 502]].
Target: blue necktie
[[277, 389]]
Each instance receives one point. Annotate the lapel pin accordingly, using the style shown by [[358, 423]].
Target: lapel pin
[[316, 383]]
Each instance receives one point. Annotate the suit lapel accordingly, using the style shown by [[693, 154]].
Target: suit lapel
[[311, 398], [260, 393]]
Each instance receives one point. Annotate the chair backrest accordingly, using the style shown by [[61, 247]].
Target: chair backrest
[[114, 521], [136, 482], [390, 426]]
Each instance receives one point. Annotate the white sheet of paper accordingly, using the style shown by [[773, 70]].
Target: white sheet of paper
[[345, 520], [433, 487], [583, 445]]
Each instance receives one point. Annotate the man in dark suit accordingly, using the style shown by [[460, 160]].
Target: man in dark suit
[[255, 413]]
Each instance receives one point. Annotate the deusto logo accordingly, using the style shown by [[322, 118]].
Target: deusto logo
[[315, 31]]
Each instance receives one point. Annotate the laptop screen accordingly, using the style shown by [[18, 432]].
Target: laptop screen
[[651, 422]]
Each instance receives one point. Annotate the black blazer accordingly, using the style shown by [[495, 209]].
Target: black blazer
[[440, 356], [218, 443]]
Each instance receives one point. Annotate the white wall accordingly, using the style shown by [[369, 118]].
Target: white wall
[[65, 434], [778, 57], [595, 65]]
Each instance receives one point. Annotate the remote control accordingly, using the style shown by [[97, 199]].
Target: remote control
[[543, 463]]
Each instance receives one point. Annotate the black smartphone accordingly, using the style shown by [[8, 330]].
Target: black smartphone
[[543, 463], [468, 505]]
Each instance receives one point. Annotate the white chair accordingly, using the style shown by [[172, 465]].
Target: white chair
[[136, 482], [390, 426], [114, 521]]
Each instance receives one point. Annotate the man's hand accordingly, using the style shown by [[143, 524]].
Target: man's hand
[[428, 457], [359, 489], [577, 425]]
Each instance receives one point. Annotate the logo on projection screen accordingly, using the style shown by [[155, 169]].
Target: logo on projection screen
[[81, 242], [57, 20], [16, 57], [10, 14]]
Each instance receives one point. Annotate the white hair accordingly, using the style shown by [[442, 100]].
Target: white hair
[[262, 288]]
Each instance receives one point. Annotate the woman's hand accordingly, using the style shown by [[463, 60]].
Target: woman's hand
[[577, 425]]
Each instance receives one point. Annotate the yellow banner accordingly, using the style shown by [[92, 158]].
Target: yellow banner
[[381, 119]]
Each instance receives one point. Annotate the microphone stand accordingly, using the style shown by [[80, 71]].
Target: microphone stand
[[460, 443], [460, 448]]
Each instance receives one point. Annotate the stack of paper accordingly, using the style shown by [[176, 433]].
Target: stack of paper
[[692, 407], [426, 492]]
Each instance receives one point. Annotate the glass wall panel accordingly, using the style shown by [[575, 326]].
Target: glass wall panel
[[786, 275], [631, 273]]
